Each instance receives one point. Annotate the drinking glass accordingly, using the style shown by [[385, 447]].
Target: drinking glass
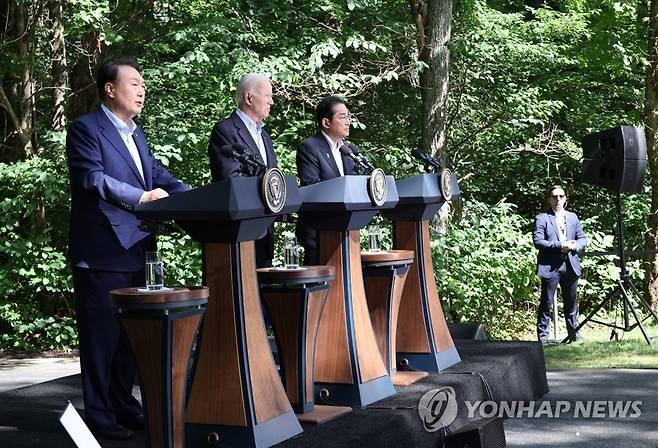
[[290, 253], [154, 272], [374, 239]]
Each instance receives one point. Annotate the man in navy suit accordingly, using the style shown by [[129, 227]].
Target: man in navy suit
[[111, 170], [245, 127], [319, 158], [559, 237]]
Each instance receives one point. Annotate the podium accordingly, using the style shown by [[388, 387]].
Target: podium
[[423, 339], [294, 299], [161, 326], [384, 274], [236, 397], [349, 369]]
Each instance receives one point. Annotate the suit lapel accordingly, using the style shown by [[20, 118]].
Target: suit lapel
[[112, 135], [246, 137], [269, 150], [551, 220], [147, 165], [329, 157]]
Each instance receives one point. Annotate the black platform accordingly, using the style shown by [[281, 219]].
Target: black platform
[[513, 371]]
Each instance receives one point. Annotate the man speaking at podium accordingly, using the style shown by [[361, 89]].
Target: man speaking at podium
[[244, 128], [320, 158], [111, 170], [559, 237]]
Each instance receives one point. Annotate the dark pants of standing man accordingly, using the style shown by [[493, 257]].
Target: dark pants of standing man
[[568, 282], [106, 361]]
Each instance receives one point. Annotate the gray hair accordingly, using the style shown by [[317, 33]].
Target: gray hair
[[248, 82]]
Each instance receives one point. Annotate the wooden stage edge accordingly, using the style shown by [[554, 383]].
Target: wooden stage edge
[[322, 414], [406, 378]]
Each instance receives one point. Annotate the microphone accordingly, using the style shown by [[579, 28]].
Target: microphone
[[427, 159], [361, 161], [254, 160], [238, 153]]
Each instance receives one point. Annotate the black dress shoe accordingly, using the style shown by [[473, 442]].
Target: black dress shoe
[[134, 422], [113, 432]]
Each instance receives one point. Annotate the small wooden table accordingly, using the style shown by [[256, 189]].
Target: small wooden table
[[294, 299], [384, 274], [161, 326]]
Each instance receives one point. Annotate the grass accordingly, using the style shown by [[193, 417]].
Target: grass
[[598, 351]]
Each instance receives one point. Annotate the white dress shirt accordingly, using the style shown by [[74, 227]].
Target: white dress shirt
[[335, 151], [256, 131], [126, 131]]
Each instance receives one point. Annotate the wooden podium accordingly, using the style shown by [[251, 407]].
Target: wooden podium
[[236, 398], [349, 369], [294, 299], [384, 275], [161, 326], [423, 339]]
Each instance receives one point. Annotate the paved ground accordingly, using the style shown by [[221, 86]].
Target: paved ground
[[15, 373], [599, 389], [596, 388]]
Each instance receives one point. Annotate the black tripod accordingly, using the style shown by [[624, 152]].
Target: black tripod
[[624, 285]]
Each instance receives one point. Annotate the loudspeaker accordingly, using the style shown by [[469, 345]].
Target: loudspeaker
[[469, 331], [482, 433], [615, 159]]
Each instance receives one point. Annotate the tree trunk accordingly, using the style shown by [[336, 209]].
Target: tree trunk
[[434, 80], [18, 99], [85, 98], [651, 125], [60, 78]]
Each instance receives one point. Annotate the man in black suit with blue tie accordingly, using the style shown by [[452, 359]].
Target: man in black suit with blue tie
[[319, 158], [245, 127], [111, 170], [559, 237]]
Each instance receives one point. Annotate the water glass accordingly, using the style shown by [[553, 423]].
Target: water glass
[[374, 239], [291, 254], [154, 272]]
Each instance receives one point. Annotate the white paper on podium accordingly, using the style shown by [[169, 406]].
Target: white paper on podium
[[77, 428]]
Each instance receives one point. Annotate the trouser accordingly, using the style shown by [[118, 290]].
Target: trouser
[[106, 360], [568, 282]]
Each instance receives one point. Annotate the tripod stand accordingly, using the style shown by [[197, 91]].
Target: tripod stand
[[624, 286]]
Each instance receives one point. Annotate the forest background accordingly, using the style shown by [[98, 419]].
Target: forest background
[[502, 90]]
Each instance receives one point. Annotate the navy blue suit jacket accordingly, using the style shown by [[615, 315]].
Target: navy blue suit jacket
[[230, 131], [105, 188], [545, 238], [315, 162]]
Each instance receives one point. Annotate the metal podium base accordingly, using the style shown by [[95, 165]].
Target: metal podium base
[[430, 362], [354, 394], [268, 433]]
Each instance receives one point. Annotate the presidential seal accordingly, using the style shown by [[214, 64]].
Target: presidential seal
[[274, 190], [377, 187], [446, 184]]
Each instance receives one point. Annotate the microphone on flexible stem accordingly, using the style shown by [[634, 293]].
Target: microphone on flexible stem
[[255, 160], [238, 153], [361, 161], [428, 160]]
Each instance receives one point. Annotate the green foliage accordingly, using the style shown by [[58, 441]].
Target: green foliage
[[485, 269], [35, 282], [526, 84]]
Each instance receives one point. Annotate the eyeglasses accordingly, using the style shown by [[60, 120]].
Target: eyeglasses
[[558, 196], [344, 118]]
